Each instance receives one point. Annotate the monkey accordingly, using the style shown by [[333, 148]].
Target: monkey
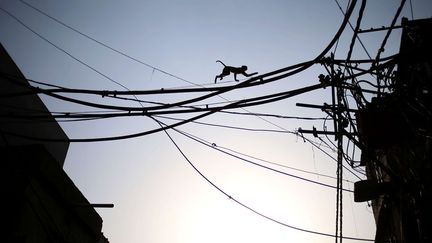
[[227, 70]]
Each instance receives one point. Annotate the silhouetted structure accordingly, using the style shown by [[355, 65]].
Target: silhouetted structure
[[396, 129], [39, 201]]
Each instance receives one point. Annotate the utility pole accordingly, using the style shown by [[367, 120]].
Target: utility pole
[[335, 111], [336, 80]]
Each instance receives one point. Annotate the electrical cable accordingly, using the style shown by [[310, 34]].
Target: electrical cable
[[223, 111], [248, 129], [272, 115], [371, 69], [336, 37], [241, 84], [345, 21], [337, 43], [284, 166], [359, 61], [229, 126], [179, 103], [61, 89], [255, 130], [334, 146], [346, 168], [209, 112], [65, 52], [208, 144], [358, 38], [59, 48], [398, 11], [164, 128], [411, 8], [301, 68], [359, 19], [190, 110], [105, 45], [261, 130], [242, 103]]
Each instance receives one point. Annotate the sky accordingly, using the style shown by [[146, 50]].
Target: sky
[[158, 196]]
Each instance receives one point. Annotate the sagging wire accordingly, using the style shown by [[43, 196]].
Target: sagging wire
[[164, 128], [214, 145], [105, 45]]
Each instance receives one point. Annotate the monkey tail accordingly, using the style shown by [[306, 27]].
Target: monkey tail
[[221, 63]]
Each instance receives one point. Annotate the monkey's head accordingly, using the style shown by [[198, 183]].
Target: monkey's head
[[244, 68]]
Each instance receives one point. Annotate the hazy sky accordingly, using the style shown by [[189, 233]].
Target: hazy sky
[[158, 196]]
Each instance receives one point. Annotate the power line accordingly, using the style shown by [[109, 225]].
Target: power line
[[67, 53], [282, 165], [241, 103], [302, 66], [59, 48], [272, 115], [398, 11], [208, 144], [336, 37], [115, 50], [88, 116], [384, 42], [359, 19], [358, 38], [149, 132], [264, 130], [98, 116], [121, 53], [242, 204], [105, 45], [123, 112], [411, 8], [250, 80], [224, 111], [252, 101]]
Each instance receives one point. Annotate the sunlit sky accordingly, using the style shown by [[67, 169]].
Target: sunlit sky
[[158, 196]]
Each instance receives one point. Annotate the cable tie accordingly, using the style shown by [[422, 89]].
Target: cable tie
[[314, 131], [300, 131], [104, 93]]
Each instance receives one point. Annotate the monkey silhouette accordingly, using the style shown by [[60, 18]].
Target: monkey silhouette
[[227, 70]]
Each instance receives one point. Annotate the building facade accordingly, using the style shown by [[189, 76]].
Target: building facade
[[40, 203]]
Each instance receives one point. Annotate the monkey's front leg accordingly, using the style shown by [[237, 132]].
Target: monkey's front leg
[[235, 77], [252, 74]]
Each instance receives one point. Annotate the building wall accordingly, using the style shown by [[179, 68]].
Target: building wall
[[40, 203], [396, 130], [13, 81]]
